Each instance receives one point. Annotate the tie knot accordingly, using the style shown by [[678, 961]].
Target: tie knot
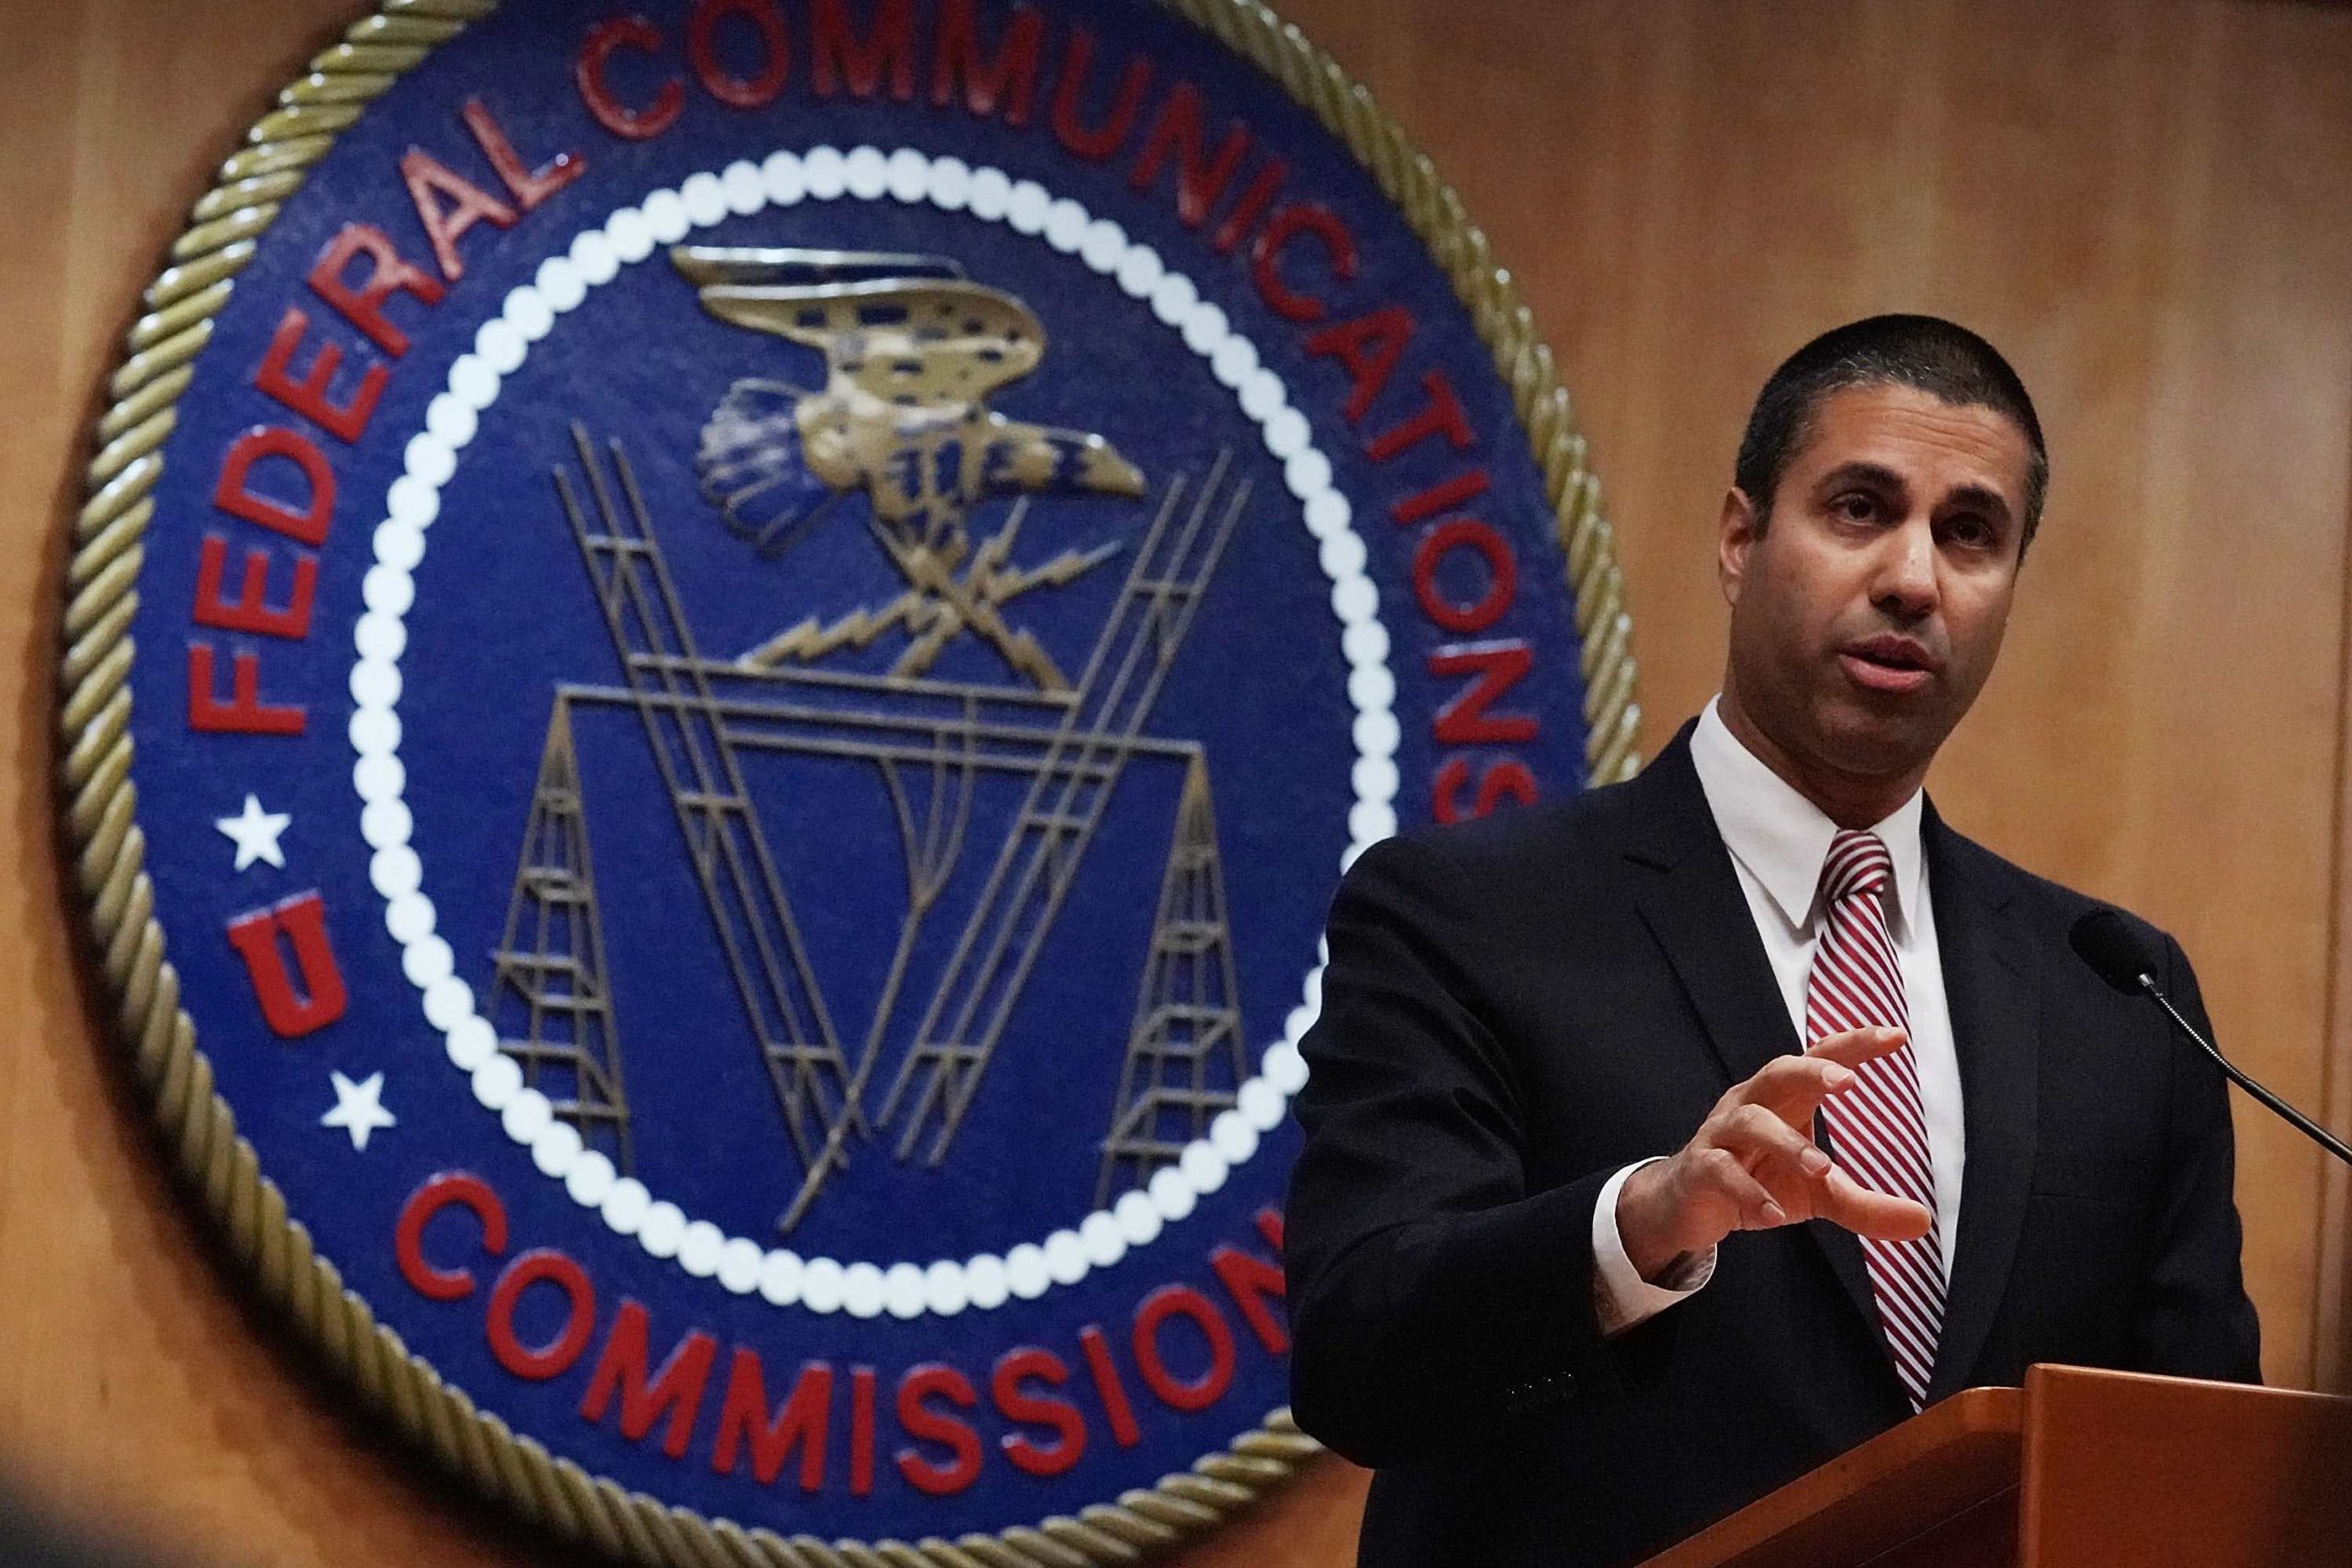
[[1858, 866]]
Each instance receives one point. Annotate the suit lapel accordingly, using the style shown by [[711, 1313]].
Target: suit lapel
[[1990, 972], [1699, 914]]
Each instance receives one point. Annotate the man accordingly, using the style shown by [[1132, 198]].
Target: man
[[1665, 1142]]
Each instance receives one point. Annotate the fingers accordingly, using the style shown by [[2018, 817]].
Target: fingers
[[1784, 1159], [1881, 1216], [1757, 1174], [1736, 1189], [1799, 1181], [1754, 1165], [1855, 1046], [1760, 1172], [1770, 1183], [1785, 1189], [1792, 1088]]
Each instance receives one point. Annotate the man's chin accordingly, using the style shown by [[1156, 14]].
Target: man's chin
[[1881, 739]]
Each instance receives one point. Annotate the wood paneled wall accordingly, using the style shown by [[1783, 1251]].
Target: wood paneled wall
[[2149, 206]]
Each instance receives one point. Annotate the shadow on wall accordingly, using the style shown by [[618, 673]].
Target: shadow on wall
[[29, 1537]]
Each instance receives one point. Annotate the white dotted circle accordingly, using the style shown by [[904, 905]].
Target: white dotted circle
[[595, 256]]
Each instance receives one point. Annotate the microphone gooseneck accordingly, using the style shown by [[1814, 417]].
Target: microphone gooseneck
[[2126, 960]]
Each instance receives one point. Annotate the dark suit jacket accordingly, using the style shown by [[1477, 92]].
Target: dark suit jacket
[[1516, 1008]]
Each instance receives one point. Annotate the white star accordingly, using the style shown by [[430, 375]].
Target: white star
[[256, 832], [358, 1110]]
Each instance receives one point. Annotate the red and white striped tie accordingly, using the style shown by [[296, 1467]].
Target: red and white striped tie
[[1878, 1127]]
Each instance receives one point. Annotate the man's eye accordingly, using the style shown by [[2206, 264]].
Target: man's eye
[[1970, 530], [1854, 507]]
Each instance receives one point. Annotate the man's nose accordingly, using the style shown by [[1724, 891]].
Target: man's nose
[[1907, 580]]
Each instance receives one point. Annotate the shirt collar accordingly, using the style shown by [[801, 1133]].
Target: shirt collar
[[1780, 837]]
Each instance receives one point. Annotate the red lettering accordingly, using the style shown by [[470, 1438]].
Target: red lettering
[[1446, 494], [1502, 575], [1011, 77], [1270, 1225], [1183, 1301], [233, 493], [435, 1194], [244, 713], [1288, 223], [1495, 668], [801, 1420], [1200, 183], [775, 51], [251, 610], [308, 395], [1251, 208], [555, 1357], [527, 186], [1016, 1403], [1101, 141], [1107, 1386], [606, 39], [861, 1431], [302, 921], [429, 181], [834, 45], [927, 1423], [1501, 777], [1252, 1281], [1367, 349], [387, 275], [1441, 415], [676, 1388]]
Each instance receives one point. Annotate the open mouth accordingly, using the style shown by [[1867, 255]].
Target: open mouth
[[1888, 663]]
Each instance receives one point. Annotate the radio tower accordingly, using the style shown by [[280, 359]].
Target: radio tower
[[1184, 1056], [547, 996]]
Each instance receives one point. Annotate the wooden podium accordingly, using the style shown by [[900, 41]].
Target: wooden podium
[[2076, 1468]]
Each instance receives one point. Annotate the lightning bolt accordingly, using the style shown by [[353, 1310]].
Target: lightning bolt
[[810, 639], [1068, 567], [940, 604]]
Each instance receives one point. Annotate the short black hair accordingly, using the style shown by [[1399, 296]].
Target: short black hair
[[1936, 356]]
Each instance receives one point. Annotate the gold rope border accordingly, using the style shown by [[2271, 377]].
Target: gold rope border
[[94, 719]]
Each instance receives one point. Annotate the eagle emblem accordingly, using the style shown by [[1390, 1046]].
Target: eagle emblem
[[913, 351]]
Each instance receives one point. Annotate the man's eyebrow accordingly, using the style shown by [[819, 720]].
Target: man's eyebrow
[[1874, 475], [1989, 502], [1877, 476]]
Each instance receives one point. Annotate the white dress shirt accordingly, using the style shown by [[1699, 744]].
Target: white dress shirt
[[1777, 841]]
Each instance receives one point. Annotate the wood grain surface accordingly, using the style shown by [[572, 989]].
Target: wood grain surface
[[2148, 206], [2164, 1470]]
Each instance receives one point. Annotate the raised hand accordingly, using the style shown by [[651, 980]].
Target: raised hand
[[1753, 1165]]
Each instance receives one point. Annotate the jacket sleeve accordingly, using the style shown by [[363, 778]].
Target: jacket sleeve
[[1435, 1299], [2194, 1319]]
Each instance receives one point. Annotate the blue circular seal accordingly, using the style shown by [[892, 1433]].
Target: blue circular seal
[[761, 631]]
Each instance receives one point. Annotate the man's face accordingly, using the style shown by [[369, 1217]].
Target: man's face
[[1867, 614]]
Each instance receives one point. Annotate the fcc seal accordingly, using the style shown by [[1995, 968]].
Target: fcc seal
[[720, 661]]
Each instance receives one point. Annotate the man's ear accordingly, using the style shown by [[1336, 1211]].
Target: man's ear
[[1736, 532]]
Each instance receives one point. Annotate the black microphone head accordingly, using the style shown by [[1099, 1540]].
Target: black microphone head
[[2117, 953]]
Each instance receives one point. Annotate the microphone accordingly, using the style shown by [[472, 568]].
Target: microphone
[[2127, 961]]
